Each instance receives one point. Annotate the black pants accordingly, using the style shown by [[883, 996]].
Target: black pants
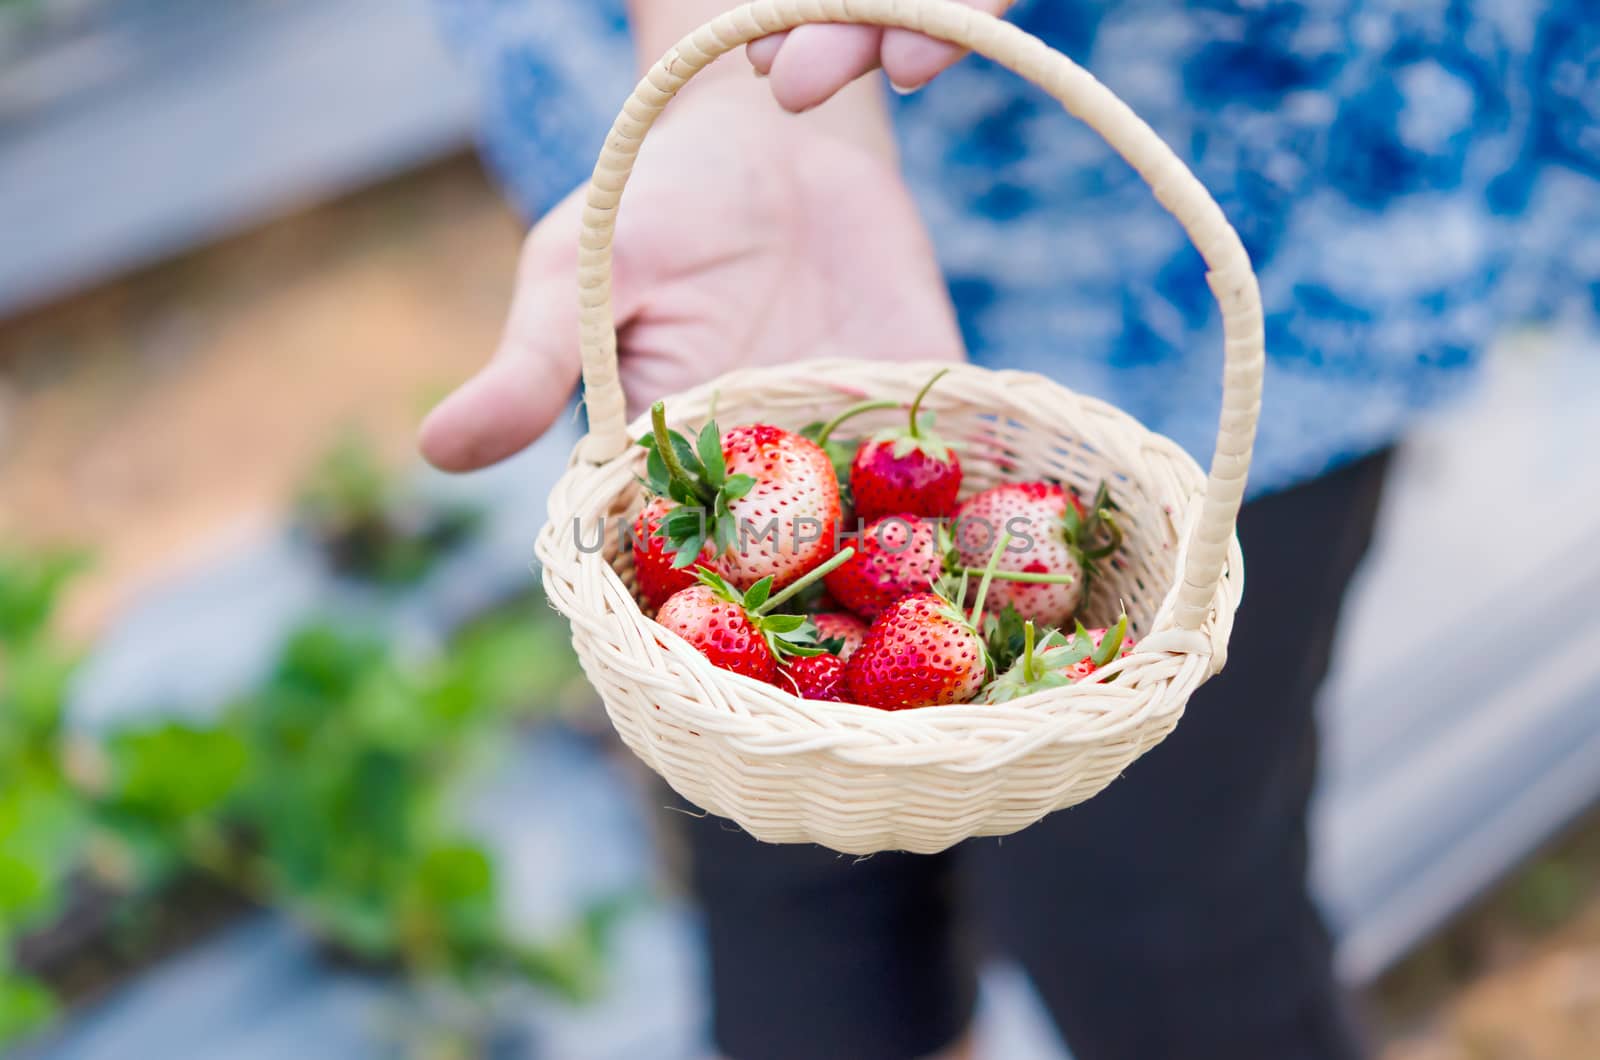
[[1168, 918]]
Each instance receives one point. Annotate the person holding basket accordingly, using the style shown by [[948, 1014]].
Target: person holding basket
[[1372, 157]]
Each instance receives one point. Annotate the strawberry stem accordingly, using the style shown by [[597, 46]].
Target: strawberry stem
[[850, 413], [988, 576], [669, 456], [1029, 576], [916, 402], [1029, 662], [809, 577]]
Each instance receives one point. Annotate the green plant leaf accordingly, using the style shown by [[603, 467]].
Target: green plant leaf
[[781, 624], [175, 770], [31, 586], [686, 454], [709, 445], [757, 594], [26, 1007]]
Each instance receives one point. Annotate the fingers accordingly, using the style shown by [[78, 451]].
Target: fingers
[[911, 60], [810, 63], [525, 387], [762, 52], [815, 61]]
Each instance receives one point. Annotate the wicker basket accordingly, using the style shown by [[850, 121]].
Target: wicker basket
[[854, 778]]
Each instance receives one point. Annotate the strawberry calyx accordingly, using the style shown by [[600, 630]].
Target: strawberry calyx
[[1092, 536], [1049, 662], [784, 634], [1038, 667], [1004, 637], [696, 477], [917, 436]]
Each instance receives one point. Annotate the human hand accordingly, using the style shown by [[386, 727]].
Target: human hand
[[746, 237], [810, 63]]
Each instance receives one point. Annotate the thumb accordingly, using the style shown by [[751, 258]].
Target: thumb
[[527, 384]]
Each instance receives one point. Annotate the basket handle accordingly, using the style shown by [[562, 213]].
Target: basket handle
[[1229, 274]]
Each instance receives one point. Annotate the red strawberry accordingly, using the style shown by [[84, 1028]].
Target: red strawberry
[[818, 677], [1052, 537], [1056, 662], [906, 469], [896, 555], [654, 569], [763, 500], [719, 628], [735, 630], [841, 626], [920, 652]]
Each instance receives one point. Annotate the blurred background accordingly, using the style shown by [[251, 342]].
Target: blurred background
[[294, 760]]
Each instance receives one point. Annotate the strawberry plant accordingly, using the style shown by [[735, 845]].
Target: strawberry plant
[[367, 525], [43, 823], [331, 791], [328, 792]]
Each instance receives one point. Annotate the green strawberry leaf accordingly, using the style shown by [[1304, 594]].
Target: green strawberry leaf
[[686, 454], [688, 552], [684, 521], [1095, 536], [656, 470], [709, 445], [782, 624], [718, 583], [796, 638], [1111, 643], [757, 594], [738, 486]]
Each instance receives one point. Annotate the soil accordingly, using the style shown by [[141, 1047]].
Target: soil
[[163, 416], [104, 940]]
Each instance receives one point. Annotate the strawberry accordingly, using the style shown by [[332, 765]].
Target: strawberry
[[764, 500], [818, 677], [737, 631], [922, 651], [906, 469], [654, 567], [895, 555], [901, 554], [1055, 661], [1053, 559], [716, 623], [843, 627]]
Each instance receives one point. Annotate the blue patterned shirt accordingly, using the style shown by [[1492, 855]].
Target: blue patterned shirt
[[1411, 178]]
